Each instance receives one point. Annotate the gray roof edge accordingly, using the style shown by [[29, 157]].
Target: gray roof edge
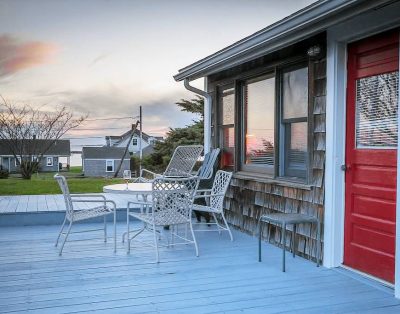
[[304, 23]]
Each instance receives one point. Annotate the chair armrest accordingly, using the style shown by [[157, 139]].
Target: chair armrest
[[208, 195], [148, 171], [88, 195], [96, 201], [140, 203], [147, 204], [204, 191]]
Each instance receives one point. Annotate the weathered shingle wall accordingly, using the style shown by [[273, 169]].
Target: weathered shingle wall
[[247, 199]]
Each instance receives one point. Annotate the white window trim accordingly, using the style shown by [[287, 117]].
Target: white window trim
[[47, 161], [137, 141], [113, 164]]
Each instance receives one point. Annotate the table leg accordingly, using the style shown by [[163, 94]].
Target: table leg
[[318, 242], [284, 246], [259, 240], [294, 240]]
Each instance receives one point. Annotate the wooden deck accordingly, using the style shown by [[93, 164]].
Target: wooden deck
[[50, 203], [226, 278]]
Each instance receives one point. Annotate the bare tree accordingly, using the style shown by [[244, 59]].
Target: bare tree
[[29, 133]]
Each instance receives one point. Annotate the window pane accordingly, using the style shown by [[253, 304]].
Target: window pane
[[295, 94], [376, 111], [228, 106], [259, 99], [228, 147], [297, 150]]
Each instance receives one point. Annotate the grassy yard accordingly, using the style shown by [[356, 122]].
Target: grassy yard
[[44, 183]]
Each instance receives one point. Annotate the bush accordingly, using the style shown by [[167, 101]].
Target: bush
[[3, 173]]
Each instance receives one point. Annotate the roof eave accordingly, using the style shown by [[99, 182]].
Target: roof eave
[[305, 23]]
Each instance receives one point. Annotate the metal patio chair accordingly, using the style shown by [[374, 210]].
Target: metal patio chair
[[206, 170], [73, 215], [181, 164], [216, 196], [171, 205]]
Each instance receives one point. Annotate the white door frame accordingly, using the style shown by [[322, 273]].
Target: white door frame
[[337, 39]]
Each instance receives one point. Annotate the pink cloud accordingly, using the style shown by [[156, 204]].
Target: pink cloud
[[16, 55]]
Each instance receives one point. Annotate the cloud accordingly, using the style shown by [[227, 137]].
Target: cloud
[[16, 55]]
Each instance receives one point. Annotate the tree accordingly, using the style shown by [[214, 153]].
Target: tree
[[189, 135], [29, 133]]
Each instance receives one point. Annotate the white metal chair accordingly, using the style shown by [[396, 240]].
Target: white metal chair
[[171, 205], [206, 170], [216, 201], [73, 215], [181, 164]]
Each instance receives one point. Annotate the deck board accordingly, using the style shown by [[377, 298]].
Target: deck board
[[226, 277]]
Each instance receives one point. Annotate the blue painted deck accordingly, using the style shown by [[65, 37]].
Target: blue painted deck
[[226, 278]]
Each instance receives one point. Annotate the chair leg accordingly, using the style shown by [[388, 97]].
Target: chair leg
[[128, 240], [226, 225], [62, 228], [217, 223], [156, 243], [194, 237], [318, 242], [105, 228], [65, 238], [283, 247]]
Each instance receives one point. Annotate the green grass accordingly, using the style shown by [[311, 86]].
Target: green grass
[[44, 183]]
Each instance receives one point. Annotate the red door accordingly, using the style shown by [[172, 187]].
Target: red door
[[371, 155]]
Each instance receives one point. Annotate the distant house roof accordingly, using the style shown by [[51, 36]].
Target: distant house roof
[[34, 147], [104, 152], [122, 137], [313, 19]]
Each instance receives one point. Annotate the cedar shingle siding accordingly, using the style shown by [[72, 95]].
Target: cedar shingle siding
[[249, 197]]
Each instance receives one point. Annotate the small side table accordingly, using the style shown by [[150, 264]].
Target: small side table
[[289, 219]]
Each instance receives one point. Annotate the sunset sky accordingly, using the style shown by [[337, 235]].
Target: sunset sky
[[106, 58]]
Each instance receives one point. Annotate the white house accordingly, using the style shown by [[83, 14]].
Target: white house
[[134, 146]]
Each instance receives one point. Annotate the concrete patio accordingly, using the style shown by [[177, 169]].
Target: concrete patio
[[225, 278]]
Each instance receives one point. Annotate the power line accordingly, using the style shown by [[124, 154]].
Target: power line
[[97, 129], [114, 118]]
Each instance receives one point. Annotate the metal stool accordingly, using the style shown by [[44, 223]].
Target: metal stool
[[289, 219]]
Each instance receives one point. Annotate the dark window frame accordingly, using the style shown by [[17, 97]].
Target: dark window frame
[[220, 127]]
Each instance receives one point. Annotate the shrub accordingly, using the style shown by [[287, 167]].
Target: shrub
[[3, 173]]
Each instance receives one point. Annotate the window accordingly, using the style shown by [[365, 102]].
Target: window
[[134, 141], [259, 124], [17, 161], [376, 111], [227, 127], [49, 161], [274, 119], [294, 110], [109, 165]]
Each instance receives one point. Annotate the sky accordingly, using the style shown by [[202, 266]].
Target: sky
[[106, 58]]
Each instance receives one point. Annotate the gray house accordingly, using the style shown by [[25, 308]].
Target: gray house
[[50, 161], [103, 161]]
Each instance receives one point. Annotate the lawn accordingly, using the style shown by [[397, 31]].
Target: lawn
[[44, 183]]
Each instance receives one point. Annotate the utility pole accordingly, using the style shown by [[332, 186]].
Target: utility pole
[[140, 139]]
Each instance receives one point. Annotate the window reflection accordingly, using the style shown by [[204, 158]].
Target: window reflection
[[259, 103]]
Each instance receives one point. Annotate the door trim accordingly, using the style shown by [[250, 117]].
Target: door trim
[[337, 39]]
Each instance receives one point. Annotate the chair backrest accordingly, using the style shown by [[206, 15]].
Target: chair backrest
[[207, 168], [183, 161], [220, 186], [173, 199], [62, 182]]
